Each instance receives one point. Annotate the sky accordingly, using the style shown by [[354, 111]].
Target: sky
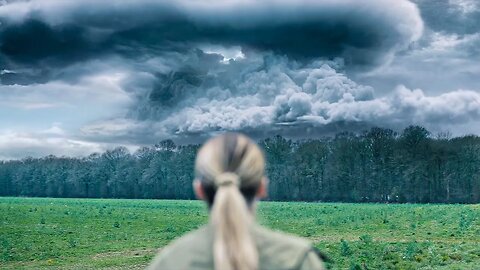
[[78, 77]]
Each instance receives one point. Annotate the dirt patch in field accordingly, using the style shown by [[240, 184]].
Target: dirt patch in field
[[126, 253], [129, 267], [385, 239]]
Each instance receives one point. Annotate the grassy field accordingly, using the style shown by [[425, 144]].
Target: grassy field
[[40, 233]]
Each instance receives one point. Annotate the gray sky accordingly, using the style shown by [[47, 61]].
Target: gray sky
[[83, 76]]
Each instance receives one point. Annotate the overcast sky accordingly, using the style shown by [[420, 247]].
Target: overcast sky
[[78, 77]]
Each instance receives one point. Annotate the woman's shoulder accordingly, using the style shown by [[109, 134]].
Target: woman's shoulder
[[278, 250], [192, 248], [272, 238]]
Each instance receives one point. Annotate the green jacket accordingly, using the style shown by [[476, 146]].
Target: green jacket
[[277, 251]]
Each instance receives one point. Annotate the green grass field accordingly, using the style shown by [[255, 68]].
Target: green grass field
[[41, 233]]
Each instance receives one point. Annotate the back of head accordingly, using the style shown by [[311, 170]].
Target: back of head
[[231, 168]]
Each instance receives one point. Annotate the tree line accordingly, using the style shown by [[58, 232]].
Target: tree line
[[378, 165]]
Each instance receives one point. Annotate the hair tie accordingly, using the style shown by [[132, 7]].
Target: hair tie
[[227, 179]]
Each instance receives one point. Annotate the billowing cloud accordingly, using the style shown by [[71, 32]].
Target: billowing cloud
[[274, 91]]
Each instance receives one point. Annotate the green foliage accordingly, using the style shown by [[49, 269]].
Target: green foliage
[[366, 239], [378, 165], [72, 243], [355, 266], [345, 248], [5, 250], [411, 250], [352, 235]]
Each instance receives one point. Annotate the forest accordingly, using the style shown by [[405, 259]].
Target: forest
[[378, 165]]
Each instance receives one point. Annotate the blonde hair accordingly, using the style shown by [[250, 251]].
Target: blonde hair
[[229, 165]]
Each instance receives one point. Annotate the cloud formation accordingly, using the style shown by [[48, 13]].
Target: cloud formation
[[54, 140], [451, 16], [363, 33], [273, 92], [135, 72]]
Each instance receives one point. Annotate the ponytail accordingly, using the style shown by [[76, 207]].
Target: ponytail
[[231, 168], [233, 246]]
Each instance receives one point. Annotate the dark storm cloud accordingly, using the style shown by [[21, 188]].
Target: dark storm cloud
[[34, 50], [39, 40], [363, 33], [33, 40], [186, 69]]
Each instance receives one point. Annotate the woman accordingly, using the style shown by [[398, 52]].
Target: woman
[[230, 176]]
